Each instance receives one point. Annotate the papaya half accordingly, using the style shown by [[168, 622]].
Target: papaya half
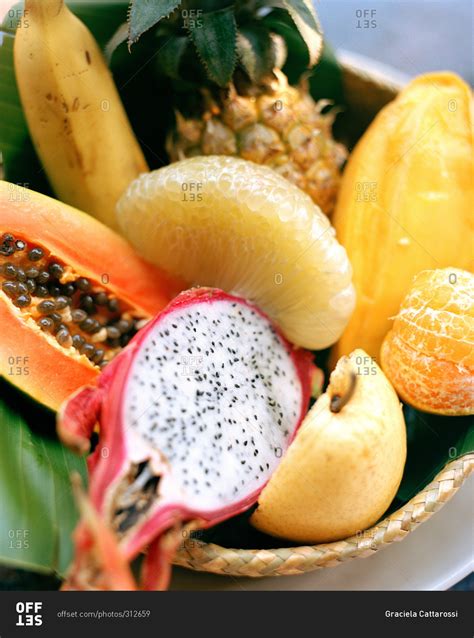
[[72, 294], [405, 203]]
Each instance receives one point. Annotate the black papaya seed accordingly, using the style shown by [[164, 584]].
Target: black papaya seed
[[35, 254]]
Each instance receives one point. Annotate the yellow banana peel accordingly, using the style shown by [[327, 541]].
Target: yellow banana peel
[[75, 116]]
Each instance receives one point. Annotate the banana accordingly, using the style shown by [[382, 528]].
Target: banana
[[75, 116]]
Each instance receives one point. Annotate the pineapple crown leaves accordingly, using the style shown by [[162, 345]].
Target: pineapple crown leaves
[[214, 36], [259, 50], [145, 14], [225, 34], [304, 16]]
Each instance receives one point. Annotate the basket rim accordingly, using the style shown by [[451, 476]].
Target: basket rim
[[210, 557]]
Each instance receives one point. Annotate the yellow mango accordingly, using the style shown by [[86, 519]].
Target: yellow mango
[[405, 203]]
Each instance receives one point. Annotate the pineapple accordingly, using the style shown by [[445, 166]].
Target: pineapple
[[243, 104]]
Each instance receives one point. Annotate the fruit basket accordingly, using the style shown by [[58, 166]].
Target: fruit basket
[[366, 91], [235, 250]]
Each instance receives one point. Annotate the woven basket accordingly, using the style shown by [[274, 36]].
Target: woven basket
[[366, 92], [288, 561]]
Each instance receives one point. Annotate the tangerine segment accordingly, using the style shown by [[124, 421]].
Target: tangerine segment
[[429, 353], [425, 382], [239, 226]]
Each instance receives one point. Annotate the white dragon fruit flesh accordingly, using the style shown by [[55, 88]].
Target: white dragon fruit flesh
[[195, 414]]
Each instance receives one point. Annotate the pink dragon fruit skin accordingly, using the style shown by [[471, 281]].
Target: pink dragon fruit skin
[[135, 490]]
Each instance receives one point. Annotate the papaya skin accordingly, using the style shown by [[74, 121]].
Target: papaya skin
[[82, 241], [415, 162], [50, 372]]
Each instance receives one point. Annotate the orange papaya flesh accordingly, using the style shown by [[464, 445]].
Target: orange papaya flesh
[[72, 294]]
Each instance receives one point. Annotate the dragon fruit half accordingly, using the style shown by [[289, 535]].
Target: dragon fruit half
[[194, 417]]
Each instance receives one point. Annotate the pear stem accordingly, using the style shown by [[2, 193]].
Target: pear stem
[[338, 401]]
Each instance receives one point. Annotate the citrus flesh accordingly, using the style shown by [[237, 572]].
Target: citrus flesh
[[428, 355], [229, 223]]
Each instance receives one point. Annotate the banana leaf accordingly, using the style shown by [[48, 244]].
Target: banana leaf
[[433, 441], [38, 513]]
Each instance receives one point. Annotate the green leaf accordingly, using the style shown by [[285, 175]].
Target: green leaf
[[326, 76], [304, 16], [256, 50], [297, 60], [13, 129], [280, 51], [38, 513], [171, 55], [326, 80], [433, 441], [101, 18], [118, 38], [144, 14], [214, 35]]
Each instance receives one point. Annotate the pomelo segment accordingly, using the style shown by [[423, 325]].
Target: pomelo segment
[[232, 224]]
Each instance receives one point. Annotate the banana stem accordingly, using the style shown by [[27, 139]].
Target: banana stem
[[338, 401]]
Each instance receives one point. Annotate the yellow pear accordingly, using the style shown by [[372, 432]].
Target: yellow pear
[[344, 467]]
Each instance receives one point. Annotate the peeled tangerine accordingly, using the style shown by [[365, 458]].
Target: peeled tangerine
[[344, 467], [239, 226], [406, 201], [429, 353]]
